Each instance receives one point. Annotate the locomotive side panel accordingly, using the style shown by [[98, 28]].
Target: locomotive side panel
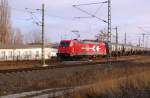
[[75, 48], [91, 49]]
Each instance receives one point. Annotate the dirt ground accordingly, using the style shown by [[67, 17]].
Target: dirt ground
[[73, 76], [23, 64]]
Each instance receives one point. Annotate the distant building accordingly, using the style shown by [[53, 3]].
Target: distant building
[[26, 52]]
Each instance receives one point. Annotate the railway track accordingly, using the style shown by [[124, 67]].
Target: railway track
[[53, 67], [68, 64]]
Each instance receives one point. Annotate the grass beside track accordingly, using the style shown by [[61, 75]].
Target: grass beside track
[[136, 85], [132, 81], [101, 80]]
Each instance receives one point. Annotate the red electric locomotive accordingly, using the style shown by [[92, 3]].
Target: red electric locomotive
[[69, 49]]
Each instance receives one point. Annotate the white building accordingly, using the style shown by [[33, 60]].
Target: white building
[[25, 52]]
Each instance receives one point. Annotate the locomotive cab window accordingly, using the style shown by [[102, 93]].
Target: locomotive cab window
[[64, 44]]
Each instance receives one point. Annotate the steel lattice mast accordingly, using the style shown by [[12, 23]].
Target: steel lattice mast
[[109, 26]]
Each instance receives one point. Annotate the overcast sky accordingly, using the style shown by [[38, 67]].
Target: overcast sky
[[128, 15]]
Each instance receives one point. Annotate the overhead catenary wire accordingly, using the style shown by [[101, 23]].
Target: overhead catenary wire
[[91, 3], [18, 10], [46, 13], [33, 16], [92, 15], [98, 9], [59, 17], [35, 20]]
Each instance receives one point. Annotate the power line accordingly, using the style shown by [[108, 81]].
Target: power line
[[141, 28], [33, 17], [92, 15], [98, 9], [91, 3], [29, 10], [59, 17], [19, 10]]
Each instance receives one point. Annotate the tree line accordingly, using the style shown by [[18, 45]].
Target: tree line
[[9, 34]]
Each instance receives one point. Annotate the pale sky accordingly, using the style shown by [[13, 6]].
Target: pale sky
[[128, 15]]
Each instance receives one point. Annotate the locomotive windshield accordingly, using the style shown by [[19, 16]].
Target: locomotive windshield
[[64, 44]]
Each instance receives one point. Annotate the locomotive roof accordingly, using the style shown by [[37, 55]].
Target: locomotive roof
[[90, 41], [83, 41]]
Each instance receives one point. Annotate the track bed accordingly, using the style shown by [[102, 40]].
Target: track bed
[[36, 64]]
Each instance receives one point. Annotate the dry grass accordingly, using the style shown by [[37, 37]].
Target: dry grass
[[132, 84]]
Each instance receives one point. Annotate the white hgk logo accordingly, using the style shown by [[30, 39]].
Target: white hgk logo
[[94, 48]]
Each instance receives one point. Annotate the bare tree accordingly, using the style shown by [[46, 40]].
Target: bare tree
[[102, 36], [36, 36], [5, 23], [17, 37]]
